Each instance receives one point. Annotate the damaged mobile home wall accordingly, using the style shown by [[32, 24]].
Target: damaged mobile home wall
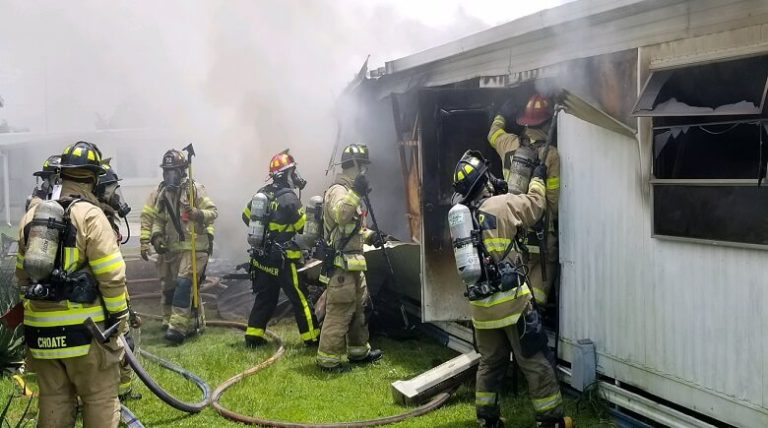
[[676, 318]]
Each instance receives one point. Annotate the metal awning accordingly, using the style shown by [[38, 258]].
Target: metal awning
[[585, 111]]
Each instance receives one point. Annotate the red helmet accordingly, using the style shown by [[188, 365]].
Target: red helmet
[[537, 111], [281, 162]]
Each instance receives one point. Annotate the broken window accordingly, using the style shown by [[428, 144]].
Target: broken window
[[709, 151], [725, 88]]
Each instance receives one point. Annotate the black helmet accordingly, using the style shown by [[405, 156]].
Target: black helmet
[[50, 166], [354, 152], [81, 156], [470, 175], [173, 159], [109, 177]]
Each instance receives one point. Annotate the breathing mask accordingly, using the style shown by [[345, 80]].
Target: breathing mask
[[296, 181], [113, 196], [172, 178]]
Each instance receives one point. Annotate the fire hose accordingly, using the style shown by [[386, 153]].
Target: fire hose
[[215, 400]]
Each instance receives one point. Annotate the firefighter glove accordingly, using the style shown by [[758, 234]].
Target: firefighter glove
[[361, 186], [379, 239], [159, 243], [145, 251], [194, 214], [540, 172], [134, 320], [210, 245], [508, 110]]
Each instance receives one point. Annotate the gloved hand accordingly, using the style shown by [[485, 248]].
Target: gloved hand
[[194, 214], [134, 320], [159, 243], [508, 110], [361, 186], [145, 251], [540, 172], [210, 245], [379, 240]]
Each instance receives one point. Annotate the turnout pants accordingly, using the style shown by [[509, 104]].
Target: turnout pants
[[93, 377], [177, 290], [267, 286], [167, 276], [345, 328], [495, 346]]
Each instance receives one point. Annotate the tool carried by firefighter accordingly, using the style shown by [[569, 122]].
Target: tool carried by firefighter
[[191, 197], [390, 270]]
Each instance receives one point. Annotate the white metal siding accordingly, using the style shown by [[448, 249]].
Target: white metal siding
[[683, 321], [590, 28]]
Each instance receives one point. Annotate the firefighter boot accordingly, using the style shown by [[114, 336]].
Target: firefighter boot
[[174, 336], [373, 355], [564, 422], [255, 341], [490, 422]]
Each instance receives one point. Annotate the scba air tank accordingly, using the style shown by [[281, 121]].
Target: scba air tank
[[464, 247], [43, 241], [258, 225], [314, 210], [520, 170]]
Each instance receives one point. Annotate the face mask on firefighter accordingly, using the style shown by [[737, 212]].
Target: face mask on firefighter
[[172, 178], [296, 181], [113, 196]]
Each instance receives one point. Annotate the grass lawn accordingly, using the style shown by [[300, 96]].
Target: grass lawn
[[294, 390]]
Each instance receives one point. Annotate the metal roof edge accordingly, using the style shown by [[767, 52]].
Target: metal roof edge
[[545, 19]]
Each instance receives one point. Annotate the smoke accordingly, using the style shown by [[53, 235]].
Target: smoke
[[241, 80]]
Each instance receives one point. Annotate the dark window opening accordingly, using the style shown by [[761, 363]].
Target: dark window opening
[[725, 88], [725, 151], [710, 128], [716, 213]]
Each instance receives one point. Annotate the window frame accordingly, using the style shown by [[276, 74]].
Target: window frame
[[761, 120]]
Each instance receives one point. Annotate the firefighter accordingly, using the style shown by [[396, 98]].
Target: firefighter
[[521, 149], [275, 254], [72, 268], [111, 201], [172, 225], [504, 315], [345, 329], [49, 179], [165, 271]]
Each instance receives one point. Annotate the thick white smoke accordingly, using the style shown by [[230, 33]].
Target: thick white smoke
[[240, 79]]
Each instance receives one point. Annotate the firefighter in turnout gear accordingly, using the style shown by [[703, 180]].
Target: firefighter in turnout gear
[[111, 201], [484, 226], [345, 328], [275, 254], [521, 150], [49, 176], [172, 222], [71, 267]]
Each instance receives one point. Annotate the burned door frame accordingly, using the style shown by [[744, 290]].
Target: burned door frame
[[442, 290]]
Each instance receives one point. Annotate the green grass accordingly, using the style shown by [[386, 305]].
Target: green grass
[[295, 390]]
